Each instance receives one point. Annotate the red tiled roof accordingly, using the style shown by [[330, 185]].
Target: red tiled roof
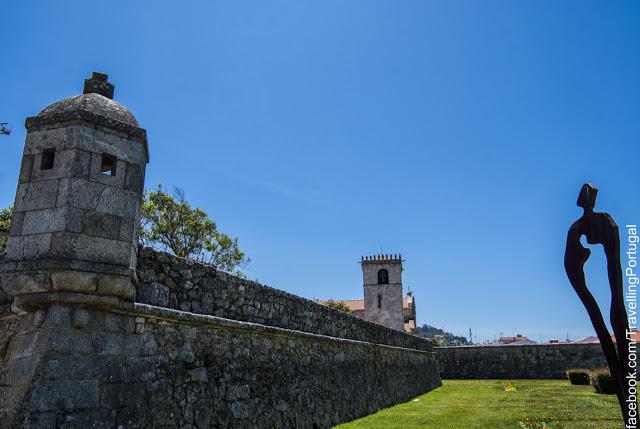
[[594, 340], [588, 340], [512, 339], [634, 336], [352, 304], [358, 304], [410, 326], [357, 307]]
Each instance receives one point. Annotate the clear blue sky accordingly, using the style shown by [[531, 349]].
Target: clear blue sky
[[455, 132]]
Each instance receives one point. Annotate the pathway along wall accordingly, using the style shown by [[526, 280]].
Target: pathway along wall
[[536, 361], [74, 360]]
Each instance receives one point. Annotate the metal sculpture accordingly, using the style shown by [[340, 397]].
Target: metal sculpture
[[600, 228]]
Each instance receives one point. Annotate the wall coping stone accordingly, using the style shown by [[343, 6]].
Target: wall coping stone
[[178, 316], [512, 346], [7, 266], [24, 303]]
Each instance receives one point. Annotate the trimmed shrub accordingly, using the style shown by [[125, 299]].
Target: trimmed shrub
[[578, 376], [602, 381]]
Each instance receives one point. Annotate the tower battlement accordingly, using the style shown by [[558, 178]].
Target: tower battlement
[[381, 258]]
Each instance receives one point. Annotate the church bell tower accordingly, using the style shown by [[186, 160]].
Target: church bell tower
[[382, 275]]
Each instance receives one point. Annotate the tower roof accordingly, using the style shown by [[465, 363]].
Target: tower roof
[[94, 106], [91, 102]]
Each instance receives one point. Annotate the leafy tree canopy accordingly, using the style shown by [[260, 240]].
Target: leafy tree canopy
[[169, 222], [338, 305], [440, 337], [5, 223]]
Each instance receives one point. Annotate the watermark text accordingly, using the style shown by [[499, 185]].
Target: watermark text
[[630, 298]]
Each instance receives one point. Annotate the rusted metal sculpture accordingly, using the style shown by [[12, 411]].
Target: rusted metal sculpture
[[600, 228]]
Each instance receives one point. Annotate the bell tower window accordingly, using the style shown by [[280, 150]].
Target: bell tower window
[[383, 277]]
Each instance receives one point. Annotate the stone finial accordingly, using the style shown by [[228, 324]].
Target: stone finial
[[98, 84]]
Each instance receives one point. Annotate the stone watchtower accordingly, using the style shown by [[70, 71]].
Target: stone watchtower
[[383, 290], [73, 235]]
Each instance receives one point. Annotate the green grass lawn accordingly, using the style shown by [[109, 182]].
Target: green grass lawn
[[484, 404]]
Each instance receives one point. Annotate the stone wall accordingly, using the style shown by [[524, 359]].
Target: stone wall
[[536, 361], [172, 282], [140, 366], [76, 360]]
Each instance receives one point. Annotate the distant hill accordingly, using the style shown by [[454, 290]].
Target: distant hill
[[440, 337]]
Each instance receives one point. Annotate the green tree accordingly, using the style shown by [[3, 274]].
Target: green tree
[[169, 222], [440, 336], [339, 305], [5, 223]]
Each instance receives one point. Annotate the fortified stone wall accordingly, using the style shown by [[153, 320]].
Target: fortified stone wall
[[78, 351], [172, 282], [140, 366], [536, 361], [149, 366]]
